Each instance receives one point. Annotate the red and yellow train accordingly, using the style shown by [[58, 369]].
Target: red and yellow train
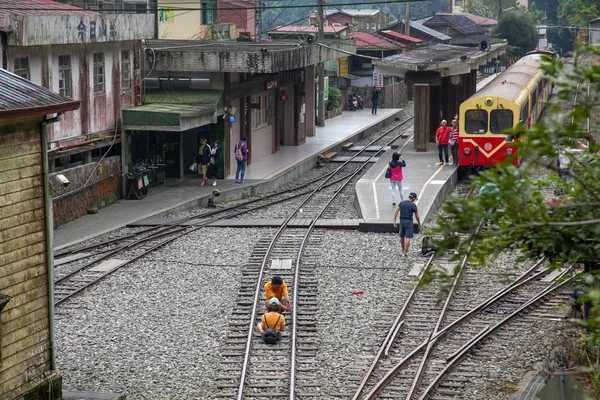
[[516, 96]]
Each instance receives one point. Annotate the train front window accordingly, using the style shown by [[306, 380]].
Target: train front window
[[476, 121], [500, 120]]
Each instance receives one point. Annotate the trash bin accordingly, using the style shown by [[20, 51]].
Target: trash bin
[[135, 186]]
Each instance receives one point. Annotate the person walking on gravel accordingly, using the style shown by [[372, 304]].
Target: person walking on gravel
[[277, 288], [396, 165], [271, 323], [406, 209]]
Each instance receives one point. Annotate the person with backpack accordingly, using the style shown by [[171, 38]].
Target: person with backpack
[[241, 156], [278, 289], [271, 323], [203, 159], [215, 162], [395, 167]]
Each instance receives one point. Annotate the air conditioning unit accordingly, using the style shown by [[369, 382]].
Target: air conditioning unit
[[221, 32]]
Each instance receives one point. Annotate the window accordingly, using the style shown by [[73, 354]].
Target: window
[[259, 115], [208, 12], [500, 120], [524, 117], [22, 67], [125, 70], [98, 73], [476, 121], [458, 3], [65, 76]]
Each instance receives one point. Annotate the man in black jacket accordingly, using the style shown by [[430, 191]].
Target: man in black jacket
[[203, 159]]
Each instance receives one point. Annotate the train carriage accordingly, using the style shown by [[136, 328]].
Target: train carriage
[[515, 96]]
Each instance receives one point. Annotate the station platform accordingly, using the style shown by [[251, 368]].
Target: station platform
[[262, 176], [432, 183]]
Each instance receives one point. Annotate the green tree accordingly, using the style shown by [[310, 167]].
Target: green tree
[[518, 28], [578, 12], [520, 217]]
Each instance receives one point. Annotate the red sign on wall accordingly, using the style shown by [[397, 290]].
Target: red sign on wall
[[271, 84], [283, 97]]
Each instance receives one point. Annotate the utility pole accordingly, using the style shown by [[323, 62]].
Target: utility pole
[[407, 19], [320, 69]]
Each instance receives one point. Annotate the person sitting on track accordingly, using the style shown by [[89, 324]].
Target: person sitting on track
[[277, 288], [272, 323]]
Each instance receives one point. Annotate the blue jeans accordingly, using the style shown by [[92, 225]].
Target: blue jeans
[[241, 170], [443, 148], [374, 109]]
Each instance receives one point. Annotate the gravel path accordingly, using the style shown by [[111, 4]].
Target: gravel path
[[153, 330]]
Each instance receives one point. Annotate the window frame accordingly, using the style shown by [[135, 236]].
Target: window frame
[[487, 121], [65, 76], [125, 70], [22, 70], [99, 74], [512, 118], [260, 116]]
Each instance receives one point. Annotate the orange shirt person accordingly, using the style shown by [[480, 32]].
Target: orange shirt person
[[271, 321], [277, 288]]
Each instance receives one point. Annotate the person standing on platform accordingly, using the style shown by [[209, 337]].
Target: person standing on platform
[[406, 209], [375, 99], [278, 289], [203, 159], [241, 156], [396, 165], [215, 162], [453, 142], [442, 135], [271, 323]]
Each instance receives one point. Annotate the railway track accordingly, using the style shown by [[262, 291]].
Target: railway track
[[81, 267]]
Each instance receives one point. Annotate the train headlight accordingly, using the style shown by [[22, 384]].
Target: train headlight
[[489, 101], [467, 151], [509, 151]]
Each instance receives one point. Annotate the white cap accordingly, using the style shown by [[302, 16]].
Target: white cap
[[274, 301]]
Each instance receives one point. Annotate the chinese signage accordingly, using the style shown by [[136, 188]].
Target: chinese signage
[[377, 79], [271, 84], [343, 66]]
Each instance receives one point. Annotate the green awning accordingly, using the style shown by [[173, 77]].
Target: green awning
[[175, 111], [351, 77]]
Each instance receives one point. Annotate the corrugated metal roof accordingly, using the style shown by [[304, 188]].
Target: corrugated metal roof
[[397, 35], [429, 31], [457, 21], [20, 96], [38, 7], [483, 21], [308, 28], [364, 40]]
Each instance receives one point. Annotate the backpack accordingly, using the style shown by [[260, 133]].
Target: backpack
[[238, 152], [270, 336]]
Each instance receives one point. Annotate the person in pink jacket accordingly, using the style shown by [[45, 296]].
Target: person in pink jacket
[[396, 164], [441, 140]]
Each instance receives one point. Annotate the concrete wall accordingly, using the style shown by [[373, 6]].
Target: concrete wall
[[98, 112], [244, 20], [88, 27], [103, 189], [24, 322], [393, 95]]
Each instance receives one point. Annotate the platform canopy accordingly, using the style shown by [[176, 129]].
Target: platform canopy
[[175, 111], [445, 59]]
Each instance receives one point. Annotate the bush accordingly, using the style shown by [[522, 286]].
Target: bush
[[335, 95]]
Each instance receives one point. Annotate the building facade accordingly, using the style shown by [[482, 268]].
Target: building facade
[[27, 355], [87, 56], [356, 20]]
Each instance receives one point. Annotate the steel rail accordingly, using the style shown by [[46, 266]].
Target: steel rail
[[442, 316], [521, 280], [458, 357], [394, 329], [243, 373]]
